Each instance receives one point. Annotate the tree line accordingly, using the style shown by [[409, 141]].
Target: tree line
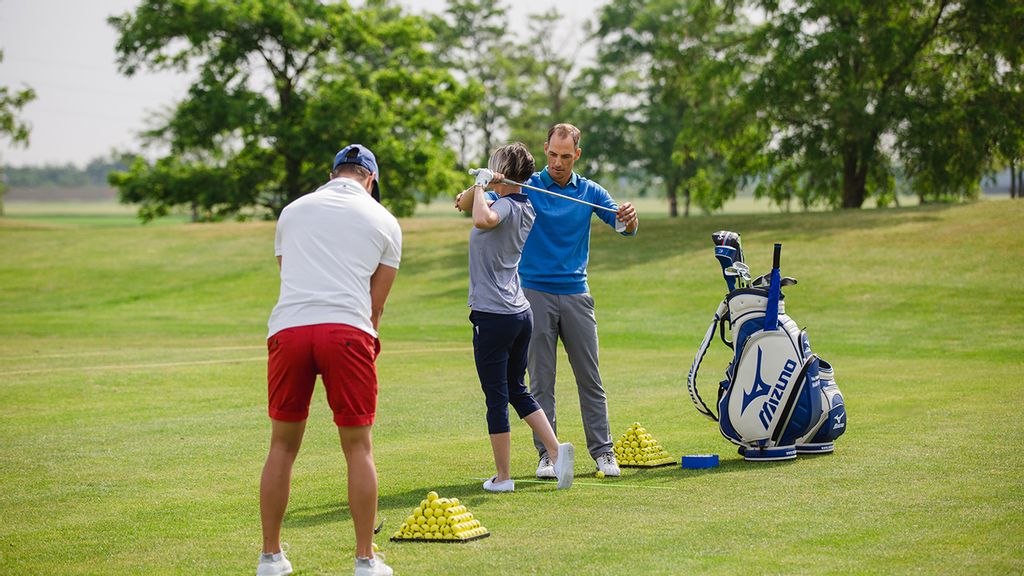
[[95, 173], [12, 128], [812, 102]]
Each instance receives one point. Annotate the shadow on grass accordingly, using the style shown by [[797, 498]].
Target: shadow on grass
[[468, 493], [667, 238], [471, 493], [725, 466]]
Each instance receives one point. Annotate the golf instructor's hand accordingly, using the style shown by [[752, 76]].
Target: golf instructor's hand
[[627, 215]]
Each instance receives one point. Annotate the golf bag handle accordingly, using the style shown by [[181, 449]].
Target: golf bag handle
[[721, 330]]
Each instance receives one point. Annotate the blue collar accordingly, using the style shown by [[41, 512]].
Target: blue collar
[[548, 181]]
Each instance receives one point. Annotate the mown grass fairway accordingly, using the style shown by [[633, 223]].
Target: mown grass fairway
[[132, 374]]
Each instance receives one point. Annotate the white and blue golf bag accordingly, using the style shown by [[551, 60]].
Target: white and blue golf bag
[[778, 398]]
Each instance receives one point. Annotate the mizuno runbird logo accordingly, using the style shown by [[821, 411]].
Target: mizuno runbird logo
[[839, 421], [760, 386]]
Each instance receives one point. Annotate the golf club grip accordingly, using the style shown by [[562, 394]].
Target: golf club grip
[[777, 255]]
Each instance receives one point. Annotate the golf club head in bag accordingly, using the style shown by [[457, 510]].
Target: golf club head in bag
[[728, 250], [778, 397]]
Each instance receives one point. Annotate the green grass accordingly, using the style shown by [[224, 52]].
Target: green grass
[[132, 373]]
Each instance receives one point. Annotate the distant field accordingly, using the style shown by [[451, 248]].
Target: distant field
[[132, 372], [81, 213]]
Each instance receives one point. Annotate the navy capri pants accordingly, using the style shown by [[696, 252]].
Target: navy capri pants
[[500, 346]]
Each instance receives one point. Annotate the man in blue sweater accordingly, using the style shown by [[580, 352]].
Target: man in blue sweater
[[553, 272]]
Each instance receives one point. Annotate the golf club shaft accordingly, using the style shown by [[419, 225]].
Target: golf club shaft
[[528, 187]]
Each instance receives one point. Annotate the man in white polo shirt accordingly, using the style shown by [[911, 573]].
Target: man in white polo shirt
[[338, 250]]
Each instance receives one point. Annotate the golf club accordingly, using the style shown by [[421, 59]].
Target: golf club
[[764, 280], [563, 196], [528, 187], [741, 272]]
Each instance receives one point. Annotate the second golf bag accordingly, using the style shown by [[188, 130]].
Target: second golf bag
[[778, 398]]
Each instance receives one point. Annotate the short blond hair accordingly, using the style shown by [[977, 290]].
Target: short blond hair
[[565, 130]]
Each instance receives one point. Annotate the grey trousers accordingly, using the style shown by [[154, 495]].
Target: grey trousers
[[571, 318]]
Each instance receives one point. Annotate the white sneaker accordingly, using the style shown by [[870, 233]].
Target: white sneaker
[[372, 567], [504, 486], [606, 463], [273, 565], [545, 471], [563, 467]]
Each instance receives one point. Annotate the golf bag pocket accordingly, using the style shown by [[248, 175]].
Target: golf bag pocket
[[832, 422]]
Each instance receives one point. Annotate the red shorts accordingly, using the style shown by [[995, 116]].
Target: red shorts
[[344, 356]]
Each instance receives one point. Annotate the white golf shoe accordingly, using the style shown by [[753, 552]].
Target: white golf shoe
[[372, 567], [504, 486], [273, 565], [563, 466], [545, 471], [606, 463]]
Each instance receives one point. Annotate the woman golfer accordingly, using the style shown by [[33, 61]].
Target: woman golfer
[[501, 316]]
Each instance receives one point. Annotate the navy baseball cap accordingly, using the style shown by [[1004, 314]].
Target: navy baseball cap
[[361, 156]]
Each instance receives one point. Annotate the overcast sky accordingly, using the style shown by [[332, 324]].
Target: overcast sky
[[64, 49]]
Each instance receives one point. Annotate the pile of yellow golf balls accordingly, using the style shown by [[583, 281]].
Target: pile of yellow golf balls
[[638, 448], [439, 518]]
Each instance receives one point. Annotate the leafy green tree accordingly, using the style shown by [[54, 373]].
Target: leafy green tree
[[11, 127], [812, 101], [651, 98], [280, 85], [473, 38], [549, 62], [963, 115], [850, 89]]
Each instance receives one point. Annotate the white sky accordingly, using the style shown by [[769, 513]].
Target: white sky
[[64, 49]]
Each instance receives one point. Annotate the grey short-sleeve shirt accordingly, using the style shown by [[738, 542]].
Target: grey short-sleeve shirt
[[494, 258]]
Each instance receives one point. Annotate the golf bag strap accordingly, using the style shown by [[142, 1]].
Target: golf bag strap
[[691, 378]]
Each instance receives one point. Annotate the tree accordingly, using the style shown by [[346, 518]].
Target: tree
[[964, 107], [11, 127], [548, 59], [280, 86], [849, 90], [473, 38], [658, 84]]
